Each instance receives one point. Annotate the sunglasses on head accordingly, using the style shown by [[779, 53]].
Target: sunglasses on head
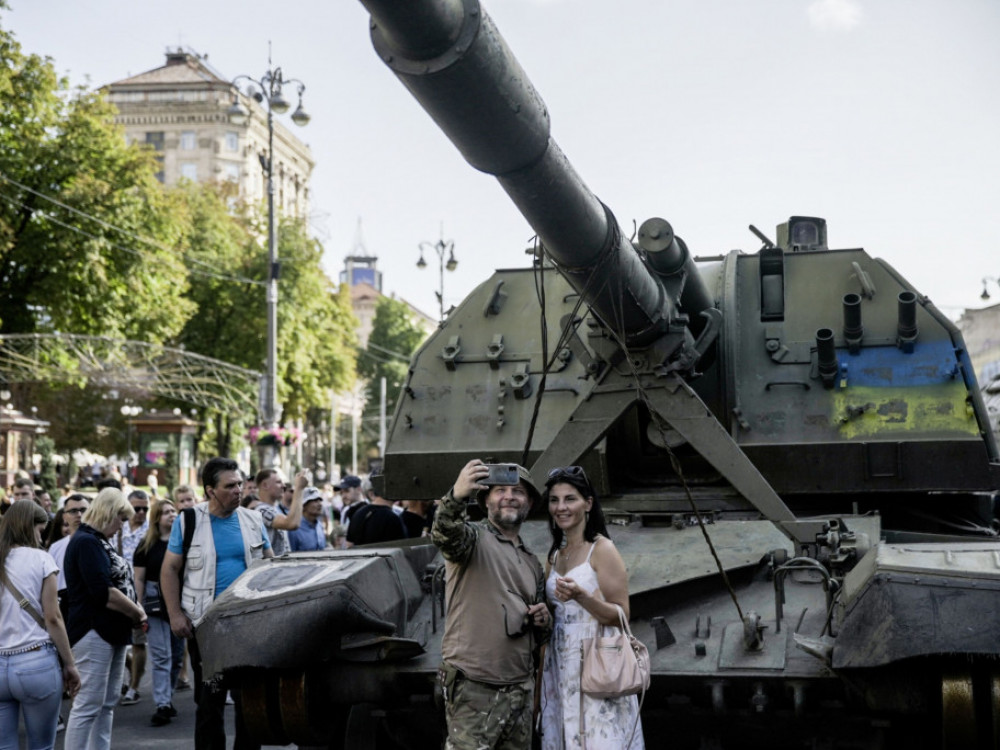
[[567, 471]]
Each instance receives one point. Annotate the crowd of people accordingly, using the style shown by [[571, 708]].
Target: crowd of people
[[86, 588], [104, 571]]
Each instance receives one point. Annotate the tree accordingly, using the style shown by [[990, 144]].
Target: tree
[[47, 477], [62, 266], [317, 328], [393, 340], [185, 269], [171, 469], [315, 323]]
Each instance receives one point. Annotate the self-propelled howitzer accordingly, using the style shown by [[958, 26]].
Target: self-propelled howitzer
[[801, 407]]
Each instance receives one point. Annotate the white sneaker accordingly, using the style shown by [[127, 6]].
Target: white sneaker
[[131, 697]]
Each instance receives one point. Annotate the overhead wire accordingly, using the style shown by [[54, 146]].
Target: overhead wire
[[120, 230], [122, 248]]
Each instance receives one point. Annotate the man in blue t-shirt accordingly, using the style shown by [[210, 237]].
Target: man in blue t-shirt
[[236, 535]]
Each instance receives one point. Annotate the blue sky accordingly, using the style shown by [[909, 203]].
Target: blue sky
[[882, 116]]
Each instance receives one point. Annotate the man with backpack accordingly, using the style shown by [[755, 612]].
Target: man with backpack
[[225, 538]]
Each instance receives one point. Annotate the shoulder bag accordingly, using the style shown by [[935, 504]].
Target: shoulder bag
[[614, 665], [152, 601]]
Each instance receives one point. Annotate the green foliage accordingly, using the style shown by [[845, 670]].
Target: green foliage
[[65, 145], [171, 469], [47, 466], [316, 327], [198, 282], [394, 333], [315, 323]]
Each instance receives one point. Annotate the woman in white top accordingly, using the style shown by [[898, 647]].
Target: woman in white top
[[585, 580], [31, 679]]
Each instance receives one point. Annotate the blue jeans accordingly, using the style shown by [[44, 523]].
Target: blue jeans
[[30, 682], [160, 640], [101, 668]]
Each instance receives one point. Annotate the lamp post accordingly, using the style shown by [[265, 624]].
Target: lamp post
[[270, 85], [986, 294], [440, 247]]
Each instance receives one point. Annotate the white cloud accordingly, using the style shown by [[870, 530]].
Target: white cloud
[[835, 15]]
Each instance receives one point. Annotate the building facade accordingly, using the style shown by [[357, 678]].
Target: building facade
[[981, 331], [181, 110]]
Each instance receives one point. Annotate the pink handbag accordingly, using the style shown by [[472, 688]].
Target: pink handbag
[[614, 665]]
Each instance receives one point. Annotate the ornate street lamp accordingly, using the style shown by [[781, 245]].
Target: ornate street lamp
[[440, 247], [270, 92]]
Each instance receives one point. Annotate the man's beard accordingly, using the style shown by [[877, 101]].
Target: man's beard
[[497, 519]]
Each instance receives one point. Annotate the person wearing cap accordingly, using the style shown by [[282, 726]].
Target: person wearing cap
[[309, 536], [497, 615], [352, 497]]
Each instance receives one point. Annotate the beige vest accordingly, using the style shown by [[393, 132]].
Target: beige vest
[[486, 592], [198, 591]]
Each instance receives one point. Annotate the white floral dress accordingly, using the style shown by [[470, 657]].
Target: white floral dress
[[608, 722]]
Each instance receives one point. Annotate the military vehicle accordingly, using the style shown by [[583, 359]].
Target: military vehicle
[[789, 444]]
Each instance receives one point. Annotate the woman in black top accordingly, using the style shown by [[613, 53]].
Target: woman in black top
[[165, 649], [102, 613]]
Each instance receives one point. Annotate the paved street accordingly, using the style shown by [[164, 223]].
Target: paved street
[[132, 728]]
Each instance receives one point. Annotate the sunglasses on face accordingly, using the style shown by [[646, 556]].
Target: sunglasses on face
[[74, 510], [141, 508]]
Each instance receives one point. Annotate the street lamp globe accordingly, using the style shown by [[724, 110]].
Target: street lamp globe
[[300, 117], [279, 104], [237, 113]]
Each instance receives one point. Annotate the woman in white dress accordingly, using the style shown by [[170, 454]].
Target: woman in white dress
[[585, 579]]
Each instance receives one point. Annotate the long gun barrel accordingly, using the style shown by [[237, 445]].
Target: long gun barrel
[[453, 60]]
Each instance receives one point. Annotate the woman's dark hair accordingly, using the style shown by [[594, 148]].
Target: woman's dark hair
[[55, 529], [576, 478]]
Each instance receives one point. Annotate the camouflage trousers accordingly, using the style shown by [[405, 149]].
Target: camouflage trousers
[[489, 717]]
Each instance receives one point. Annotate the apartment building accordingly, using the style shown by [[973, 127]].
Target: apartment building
[[181, 109]]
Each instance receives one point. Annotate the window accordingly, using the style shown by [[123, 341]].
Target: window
[[189, 171], [232, 141], [232, 172], [155, 140], [188, 142]]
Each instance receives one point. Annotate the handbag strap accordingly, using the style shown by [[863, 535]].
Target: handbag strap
[[23, 603]]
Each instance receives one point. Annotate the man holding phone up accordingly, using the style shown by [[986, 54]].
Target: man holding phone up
[[496, 610]]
